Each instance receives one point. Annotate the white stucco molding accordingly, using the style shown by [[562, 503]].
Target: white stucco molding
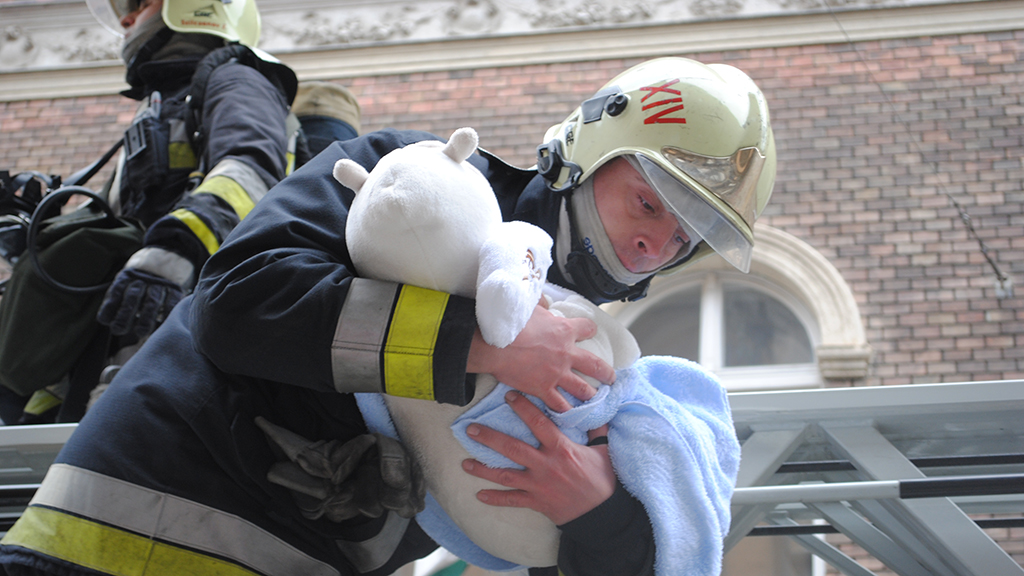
[[81, 61], [794, 265], [804, 274]]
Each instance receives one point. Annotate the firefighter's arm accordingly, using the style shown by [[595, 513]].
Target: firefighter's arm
[[245, 118], [281, 300], [245, 122]]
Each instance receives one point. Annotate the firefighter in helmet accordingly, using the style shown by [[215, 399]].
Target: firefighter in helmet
[[670, 162], [699, 138], [215, 129]]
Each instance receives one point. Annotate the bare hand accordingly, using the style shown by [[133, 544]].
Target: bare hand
[[562, 480], [543, 358]]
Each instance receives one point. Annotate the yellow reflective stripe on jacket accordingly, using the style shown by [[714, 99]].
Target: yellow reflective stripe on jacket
[[179, 149], [409, 351], [180, 156], [199, 228], [108, 549], [40, 402], [230, 191], [77, 501], [243, 174]]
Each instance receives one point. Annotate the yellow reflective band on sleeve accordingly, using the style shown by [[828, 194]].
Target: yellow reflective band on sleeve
[[110, 550], [180, 155], [230, 191], [292, 125], [409, 351], [199, 228], [40, 402]]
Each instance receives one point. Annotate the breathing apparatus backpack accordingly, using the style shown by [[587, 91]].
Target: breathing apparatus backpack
[[62, 265]]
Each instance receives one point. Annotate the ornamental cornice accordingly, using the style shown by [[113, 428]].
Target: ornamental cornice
[[53, 47]]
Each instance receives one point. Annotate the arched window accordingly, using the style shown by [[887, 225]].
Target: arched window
[[790, 323], [746, 330]]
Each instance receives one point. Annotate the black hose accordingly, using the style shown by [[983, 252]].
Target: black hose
[[39, 215]]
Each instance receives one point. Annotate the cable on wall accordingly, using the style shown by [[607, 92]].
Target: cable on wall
[[1004, 283]]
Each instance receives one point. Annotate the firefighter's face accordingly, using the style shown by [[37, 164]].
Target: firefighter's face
[[147, 9], [644, 233]]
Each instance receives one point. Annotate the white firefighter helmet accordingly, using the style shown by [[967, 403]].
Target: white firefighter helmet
[[232, 20], [700, 135]]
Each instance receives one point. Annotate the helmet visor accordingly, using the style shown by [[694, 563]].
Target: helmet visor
[[697, 214], [732, 178], [109, 13]]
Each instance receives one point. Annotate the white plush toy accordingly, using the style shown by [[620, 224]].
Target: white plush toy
[[426, 217]]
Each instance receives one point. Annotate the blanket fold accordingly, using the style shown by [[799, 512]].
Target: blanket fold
[[671, 441]]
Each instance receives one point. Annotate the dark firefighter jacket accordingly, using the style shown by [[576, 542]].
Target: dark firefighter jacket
[[167, 473]]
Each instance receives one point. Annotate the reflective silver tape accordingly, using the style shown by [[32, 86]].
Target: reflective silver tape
[[163, 263], [178, 131], [242, 173], [173, 519], [360, 334]]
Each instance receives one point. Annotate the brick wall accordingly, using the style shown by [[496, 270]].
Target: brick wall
[[866, 161]]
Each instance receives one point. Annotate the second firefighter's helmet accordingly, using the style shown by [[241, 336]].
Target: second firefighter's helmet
[[701, 136], [232, 20]]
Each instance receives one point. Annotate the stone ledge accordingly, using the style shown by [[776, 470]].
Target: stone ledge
[[844, 362]]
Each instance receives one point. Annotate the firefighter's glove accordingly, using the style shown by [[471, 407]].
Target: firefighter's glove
[[367, 475], [137, 302]]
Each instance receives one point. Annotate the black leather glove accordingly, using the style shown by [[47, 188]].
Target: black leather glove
[[137, 302], [367, 475]]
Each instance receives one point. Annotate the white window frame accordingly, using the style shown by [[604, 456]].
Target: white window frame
[[744, 378]]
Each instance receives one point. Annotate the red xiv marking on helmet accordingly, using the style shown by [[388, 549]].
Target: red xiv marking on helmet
[[659, 117]]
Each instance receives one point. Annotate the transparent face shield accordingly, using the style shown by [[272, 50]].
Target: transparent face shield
[[733, 179], [109, 13]]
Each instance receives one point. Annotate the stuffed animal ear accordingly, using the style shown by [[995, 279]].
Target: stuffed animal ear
[[462, 143], [350, 174]]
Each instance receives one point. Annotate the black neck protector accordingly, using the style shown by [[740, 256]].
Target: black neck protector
[[590, 277]]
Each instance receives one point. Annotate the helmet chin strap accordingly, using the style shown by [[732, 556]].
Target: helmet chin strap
[[582, 264], [579, 264]]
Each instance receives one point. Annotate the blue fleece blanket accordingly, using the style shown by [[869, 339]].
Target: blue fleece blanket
[[671, 441]]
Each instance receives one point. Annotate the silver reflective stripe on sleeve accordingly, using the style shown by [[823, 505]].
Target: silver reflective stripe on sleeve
[[359, 336], [172, 519], [243, 174], [373, 553]]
